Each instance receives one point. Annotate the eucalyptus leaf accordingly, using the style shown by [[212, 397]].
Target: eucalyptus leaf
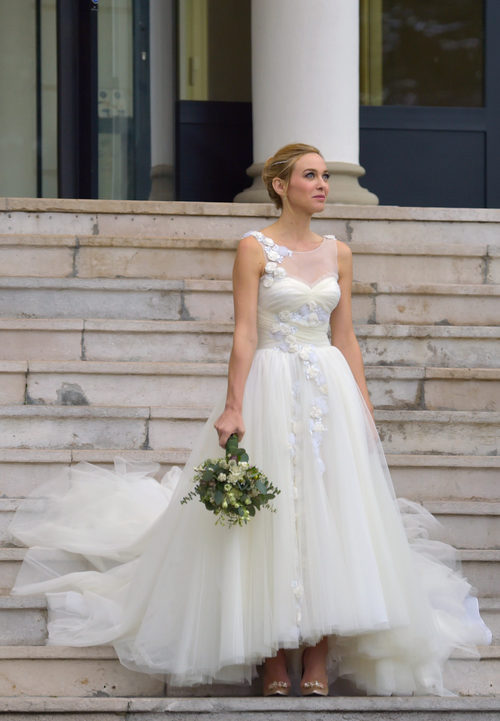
[[261, 486]]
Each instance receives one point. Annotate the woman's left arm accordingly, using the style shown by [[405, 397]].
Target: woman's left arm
[[343, 336]]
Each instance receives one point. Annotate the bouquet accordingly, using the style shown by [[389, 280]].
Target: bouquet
[[231, 488]]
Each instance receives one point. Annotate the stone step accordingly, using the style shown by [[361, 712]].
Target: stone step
[[481, 568], [139, 219], [179, 341], [438, 304], [472, 708], [419, 477], [426, 345], [445, 432], [468, 524], [82, 672], [127, 383], [23, 619], [100, 256], [78, 427], [464, 524], [62, 671]]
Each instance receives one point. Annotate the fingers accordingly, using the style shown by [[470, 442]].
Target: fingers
[[225, 435], [225, 432]]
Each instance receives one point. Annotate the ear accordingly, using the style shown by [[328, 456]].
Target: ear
[[279, 186]]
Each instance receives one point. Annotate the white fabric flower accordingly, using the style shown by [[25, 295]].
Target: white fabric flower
[[268, 241], [273, 255], [313, 319], [305, 352], [312, 372], [316, 412], [285, 314], [267, 281], [280, 272], [270, 267]]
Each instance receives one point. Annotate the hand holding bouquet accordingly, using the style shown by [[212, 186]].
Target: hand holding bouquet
[[231, 488]]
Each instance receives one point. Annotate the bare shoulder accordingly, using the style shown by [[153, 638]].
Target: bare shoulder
[[250, 254], [248, 244], [344, 260], [344, 253]]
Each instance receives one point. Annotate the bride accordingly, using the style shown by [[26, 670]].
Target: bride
[[343, 573]]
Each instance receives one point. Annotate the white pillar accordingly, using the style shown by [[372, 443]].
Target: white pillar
[[161, 42], [305, 88]]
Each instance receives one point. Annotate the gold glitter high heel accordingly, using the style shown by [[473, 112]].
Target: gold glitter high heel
[[314, 688], [276, 688]]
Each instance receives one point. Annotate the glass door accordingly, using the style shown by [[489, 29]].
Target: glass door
[[28, 88], [430, 101]]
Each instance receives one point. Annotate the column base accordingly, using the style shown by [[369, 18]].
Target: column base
[[162, 183], [344, 186]]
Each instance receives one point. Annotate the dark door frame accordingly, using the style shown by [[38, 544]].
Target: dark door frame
[[77, 98]]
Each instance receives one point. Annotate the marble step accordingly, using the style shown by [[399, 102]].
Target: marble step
[[83, 672], [110, 427], [419, 477], [193, 299], [445, 432], [481, 568], [158, 383], [464, 524], [101, 256], [210, 341], [472, 708], [23, 619], [140, 219]]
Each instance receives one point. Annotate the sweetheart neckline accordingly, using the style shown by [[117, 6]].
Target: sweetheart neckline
[[304, 282]]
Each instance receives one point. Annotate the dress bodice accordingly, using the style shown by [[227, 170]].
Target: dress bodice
[[298, 291]]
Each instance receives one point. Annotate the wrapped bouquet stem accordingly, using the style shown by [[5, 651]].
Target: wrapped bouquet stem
[[231, 488]]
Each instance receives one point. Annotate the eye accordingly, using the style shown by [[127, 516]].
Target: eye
[[309, 174], [326, 176]]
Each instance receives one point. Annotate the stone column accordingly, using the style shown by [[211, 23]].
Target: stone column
[[305, 88], [162, 100]]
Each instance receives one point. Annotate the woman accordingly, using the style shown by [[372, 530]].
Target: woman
[[332, 572], [297, 181]]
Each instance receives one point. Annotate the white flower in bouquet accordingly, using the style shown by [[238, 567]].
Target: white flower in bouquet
[[231, 488]]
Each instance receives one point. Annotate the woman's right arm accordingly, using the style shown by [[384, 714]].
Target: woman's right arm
[[248, 267]]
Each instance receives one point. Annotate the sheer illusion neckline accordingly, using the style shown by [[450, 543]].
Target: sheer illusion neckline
[[296, 251]]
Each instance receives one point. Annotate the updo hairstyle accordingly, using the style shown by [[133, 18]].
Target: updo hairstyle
[[280, 165]]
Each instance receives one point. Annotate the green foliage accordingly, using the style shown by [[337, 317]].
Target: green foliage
[[231, 488]]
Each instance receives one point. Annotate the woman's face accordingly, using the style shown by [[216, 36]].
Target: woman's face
[[308, 185]]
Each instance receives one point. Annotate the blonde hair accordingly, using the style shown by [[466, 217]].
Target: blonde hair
[[280, 165]]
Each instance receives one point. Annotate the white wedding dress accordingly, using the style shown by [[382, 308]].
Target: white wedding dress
[[123, 562]]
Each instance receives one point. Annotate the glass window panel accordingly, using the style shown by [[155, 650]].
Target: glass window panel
[[18, 114], [115, 98], [422, 52], [48, 93], [214, 50]]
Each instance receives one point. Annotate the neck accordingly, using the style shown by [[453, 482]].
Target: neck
[[294, 225]]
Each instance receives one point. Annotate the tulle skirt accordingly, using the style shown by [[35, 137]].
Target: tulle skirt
[[123, 562]]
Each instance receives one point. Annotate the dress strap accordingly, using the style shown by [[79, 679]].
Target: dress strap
[[274, 252]]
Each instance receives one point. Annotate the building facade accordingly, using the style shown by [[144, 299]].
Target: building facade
[[185, 99]]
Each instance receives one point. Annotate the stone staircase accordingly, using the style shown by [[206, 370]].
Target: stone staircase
[[115, 329]]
